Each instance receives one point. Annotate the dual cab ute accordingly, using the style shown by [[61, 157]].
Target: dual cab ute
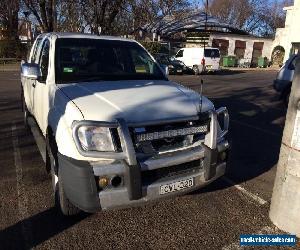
[[117, 132]]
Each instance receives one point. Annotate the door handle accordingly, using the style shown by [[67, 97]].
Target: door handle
[[33, 84]]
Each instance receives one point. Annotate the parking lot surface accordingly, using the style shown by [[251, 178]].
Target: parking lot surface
[[211, 218]]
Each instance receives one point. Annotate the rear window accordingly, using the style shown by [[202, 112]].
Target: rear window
[[211, 53]]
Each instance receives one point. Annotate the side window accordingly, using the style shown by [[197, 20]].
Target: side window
[[292, 65], [44, 59], [35, 50], [141, 62], [179, 53]]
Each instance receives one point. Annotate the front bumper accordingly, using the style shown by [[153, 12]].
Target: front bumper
[[80, 178]]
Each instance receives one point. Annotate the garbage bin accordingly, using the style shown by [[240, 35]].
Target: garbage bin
[[229, 61], [262, 62]]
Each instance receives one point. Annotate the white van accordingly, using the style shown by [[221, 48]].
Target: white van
[[200, 59]]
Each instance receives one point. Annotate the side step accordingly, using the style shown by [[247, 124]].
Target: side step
[[38, 137]]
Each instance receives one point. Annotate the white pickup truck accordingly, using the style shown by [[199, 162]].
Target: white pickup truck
[[117, 132]]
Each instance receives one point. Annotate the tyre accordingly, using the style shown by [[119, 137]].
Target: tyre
[[62, 203], [286, 97], [66, 207], [196, 70], [25, 113]]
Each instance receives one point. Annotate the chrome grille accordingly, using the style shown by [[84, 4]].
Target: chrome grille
[[164, 137], [171, 133]]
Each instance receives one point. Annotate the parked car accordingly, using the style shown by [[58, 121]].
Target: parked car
[[174, 66], [199, 59], [116, 131], [284, 78]]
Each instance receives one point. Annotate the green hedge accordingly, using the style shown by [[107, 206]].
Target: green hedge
[[13, 49], [155, 47]]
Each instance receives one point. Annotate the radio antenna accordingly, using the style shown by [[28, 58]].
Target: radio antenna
[[201, 94]]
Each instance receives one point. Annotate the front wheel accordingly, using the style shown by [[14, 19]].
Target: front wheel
[[25, 113], [62, 203], [66, 207], [286, 97]]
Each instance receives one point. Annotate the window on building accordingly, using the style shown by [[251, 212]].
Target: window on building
[[240, 47]]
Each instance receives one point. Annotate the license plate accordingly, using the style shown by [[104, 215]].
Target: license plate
[[179, 70], [176, 186]]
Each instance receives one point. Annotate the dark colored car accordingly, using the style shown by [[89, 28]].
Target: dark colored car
[[175, 67], [284, 78]]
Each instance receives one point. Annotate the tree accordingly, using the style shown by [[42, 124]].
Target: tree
[[69, 17], [99, 15], [9, 18], [45, 12], [259, 17], [148, 11], [273, 18]]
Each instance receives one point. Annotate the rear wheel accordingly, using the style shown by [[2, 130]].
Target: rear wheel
[[61, 201], [196, 70]]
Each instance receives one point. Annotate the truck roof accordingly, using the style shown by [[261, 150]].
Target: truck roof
[[84, 35], [193, 48]]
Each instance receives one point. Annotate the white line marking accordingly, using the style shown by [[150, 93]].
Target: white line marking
[[22, 197], [268, 230], [253, 127], [244, 191]]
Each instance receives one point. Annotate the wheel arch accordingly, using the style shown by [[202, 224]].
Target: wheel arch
[[50, 145]]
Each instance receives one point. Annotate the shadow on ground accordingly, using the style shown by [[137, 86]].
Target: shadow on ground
[[256, 129], [37, 229]]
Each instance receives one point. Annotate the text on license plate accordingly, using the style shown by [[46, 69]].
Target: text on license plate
[[176, 186]]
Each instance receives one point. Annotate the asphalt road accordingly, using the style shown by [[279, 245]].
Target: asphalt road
[[212, 218]]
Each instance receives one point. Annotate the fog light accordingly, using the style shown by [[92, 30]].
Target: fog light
[[116, 181], [223, 156], [103, 182]]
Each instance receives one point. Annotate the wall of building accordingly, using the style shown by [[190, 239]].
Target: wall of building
[[228, 44], [250, 40], [290, 34]]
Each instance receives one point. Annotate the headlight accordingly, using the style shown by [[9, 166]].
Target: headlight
[[94, 138], [171, 66]]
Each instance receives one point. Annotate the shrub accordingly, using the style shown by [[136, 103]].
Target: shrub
[[13, 49], [155, 47]]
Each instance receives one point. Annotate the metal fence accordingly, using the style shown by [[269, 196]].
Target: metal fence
[[8, 60]]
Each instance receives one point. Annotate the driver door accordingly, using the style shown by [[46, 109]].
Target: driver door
[[40, 93], [29, 83]]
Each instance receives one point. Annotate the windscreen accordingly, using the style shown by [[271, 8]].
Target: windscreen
[[215, 53], [78, 60]]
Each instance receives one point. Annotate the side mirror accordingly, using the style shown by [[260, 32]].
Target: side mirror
[[31, 71], [165, 69], [291, 67]]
